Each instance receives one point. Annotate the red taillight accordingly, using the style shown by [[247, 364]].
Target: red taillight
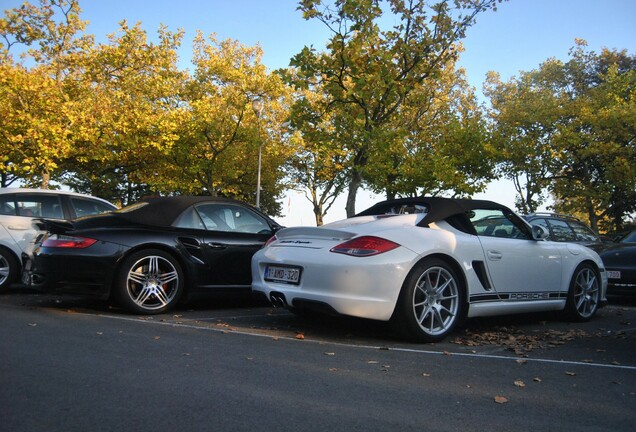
[[365, 246], [68, 242], [271, 240]]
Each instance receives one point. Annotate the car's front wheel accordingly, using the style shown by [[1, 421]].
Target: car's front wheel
[[584, 294], [431, 302], [149, 282], [8, 269]]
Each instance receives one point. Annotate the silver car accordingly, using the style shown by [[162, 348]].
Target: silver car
[[19, 207]]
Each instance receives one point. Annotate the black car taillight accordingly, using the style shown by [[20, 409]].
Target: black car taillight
[[365, 246], [68, 242]]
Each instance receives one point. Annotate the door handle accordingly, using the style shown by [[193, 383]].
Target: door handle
[[216, 245], [494, 255]]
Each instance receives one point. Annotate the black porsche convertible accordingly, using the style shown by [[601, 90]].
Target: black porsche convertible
[[147, 255]]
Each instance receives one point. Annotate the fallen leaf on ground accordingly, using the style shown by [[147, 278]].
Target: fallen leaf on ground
[[501, 400], [520, 383]]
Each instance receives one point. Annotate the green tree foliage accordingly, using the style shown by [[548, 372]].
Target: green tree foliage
[[127, 115], [120, 120], [220, 132], [570, 127], [318, 165], [369, 73], [525, 113], [37, 95], [437, 145]]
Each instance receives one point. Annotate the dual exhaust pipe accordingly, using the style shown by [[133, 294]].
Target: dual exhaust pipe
[[278, 299]]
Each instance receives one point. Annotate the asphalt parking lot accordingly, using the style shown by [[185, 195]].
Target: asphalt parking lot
[[547, 373], [608, 339]]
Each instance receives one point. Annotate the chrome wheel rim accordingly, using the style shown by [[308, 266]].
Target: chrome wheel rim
[[4, 269], [436, 301], [152, 282], [586, 292]]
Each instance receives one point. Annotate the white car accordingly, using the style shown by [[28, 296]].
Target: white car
[[425, 264], [18, 209]]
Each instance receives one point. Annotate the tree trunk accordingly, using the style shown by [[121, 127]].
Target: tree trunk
[[46, 179], [318, 214], [354, 185]]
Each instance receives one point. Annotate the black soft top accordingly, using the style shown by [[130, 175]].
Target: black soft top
[[162, 211], [452, 210], [156, 212]]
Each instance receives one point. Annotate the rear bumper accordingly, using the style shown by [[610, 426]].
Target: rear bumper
[[334, 283], [85, 274]]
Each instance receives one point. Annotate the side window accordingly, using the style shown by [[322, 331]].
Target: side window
[[583, 233], [248, 222], [33, 205], [561, 231], [495, 223], [232, 218], [190, 219], [7, 205], [86, 207]]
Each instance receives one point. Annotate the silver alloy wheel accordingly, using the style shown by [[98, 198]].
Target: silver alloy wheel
[[5, 269], [586, 292], [152, 282], [436, 301]]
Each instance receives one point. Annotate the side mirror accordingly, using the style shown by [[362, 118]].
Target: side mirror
[[539, 233]]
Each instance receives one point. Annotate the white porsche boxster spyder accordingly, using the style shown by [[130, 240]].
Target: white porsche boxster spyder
[[425, 264]]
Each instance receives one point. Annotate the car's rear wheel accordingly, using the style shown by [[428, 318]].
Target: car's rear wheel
[[584, 294], [431, 302], [8, 269], [149, 282]]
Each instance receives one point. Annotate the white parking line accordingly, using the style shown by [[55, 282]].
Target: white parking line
[[226, 330]]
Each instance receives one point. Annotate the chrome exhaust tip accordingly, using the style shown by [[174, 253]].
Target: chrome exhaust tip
[[278, 299]]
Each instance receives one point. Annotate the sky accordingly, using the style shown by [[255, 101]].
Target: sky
[[519, 36]]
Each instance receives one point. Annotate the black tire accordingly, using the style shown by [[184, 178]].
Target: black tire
[[149, 282], [9, 269], [431, 302], [584, 294]]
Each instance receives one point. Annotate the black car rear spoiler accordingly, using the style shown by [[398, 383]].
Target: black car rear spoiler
[[53, 226]]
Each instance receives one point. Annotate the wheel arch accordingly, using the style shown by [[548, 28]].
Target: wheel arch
[[587, 261], [13, 254], [456, 267]]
